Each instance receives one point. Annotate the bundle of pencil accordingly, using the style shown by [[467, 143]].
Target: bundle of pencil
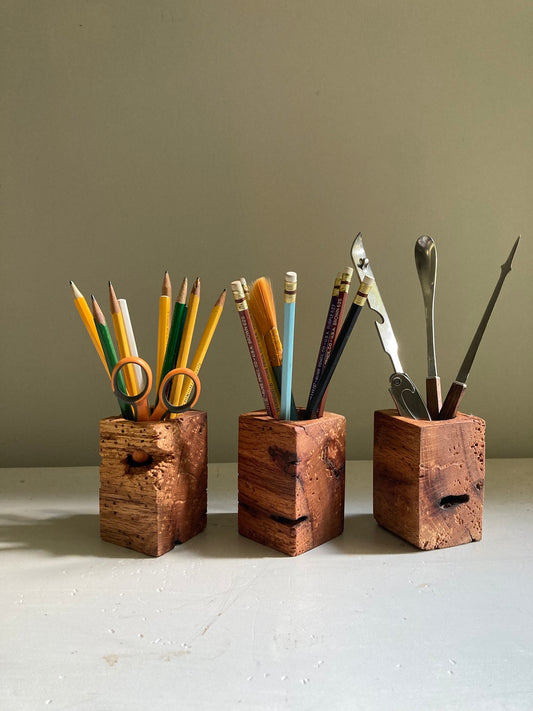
[[241, 304], [263, 310], [174, 339], [272, 361]]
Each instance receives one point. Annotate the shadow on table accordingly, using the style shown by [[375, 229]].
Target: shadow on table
[[363, 536], [221, 539], [60, 535], [79, 534]]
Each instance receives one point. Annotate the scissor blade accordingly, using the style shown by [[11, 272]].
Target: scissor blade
[[374, 300], [407, 398]]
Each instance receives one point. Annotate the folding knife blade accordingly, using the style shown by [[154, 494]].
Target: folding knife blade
[[407, 398], [404, 392]]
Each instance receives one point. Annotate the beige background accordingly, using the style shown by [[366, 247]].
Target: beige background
[[224, 139]]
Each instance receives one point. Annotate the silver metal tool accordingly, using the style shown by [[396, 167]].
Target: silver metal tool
[[458, 387], [402, 389], [426, 266]]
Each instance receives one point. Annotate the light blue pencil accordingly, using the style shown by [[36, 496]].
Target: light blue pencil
[[288, 345]]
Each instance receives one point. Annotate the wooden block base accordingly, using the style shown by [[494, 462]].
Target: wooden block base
[[291, 481], [153, 481], [429, 478]]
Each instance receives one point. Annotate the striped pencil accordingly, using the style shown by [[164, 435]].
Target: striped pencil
[[251, 341], [271, 380]]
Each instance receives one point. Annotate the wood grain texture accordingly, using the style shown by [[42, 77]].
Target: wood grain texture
[[152, 505], [429, 478], [291, 480], [452, 401], [433, 396]]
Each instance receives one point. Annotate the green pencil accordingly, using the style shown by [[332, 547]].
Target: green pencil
[[175, 332], [110, 355]]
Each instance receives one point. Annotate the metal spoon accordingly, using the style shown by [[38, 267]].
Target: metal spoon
[[426, 266]]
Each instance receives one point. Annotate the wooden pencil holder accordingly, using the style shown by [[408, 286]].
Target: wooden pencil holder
[[291, 480], [429, 478], [153, 481]]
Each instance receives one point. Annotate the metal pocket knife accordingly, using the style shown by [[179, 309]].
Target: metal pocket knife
[[404, 392]]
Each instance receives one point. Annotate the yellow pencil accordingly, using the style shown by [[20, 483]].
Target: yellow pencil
[[165, 301], [205, 341], [186, 339], [88, 322], [122, 341]]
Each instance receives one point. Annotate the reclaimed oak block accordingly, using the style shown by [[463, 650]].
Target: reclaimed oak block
[[429, 478], [291, 480], [153, 481]]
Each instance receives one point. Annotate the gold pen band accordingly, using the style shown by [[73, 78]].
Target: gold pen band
[[363, 291]]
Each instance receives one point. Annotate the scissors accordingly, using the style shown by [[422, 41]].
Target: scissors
[[139, 401]]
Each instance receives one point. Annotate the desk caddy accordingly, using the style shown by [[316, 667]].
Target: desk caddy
[[429, 478], [153, 481], [291, 480]]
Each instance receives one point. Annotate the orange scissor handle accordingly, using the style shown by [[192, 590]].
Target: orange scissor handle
[[139, 401], [164, 405]]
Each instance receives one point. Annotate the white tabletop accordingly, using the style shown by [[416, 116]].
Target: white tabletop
[[365, 621]]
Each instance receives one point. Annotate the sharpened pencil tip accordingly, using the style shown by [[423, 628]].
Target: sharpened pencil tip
[[77, 293], [115, 306], [182, 296], [97, 311], [166, 288]]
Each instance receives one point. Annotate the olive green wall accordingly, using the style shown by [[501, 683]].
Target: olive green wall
[[227, 139]]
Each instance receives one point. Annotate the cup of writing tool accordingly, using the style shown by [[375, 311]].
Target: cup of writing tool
[[291, 462], [153, 470], [429, 458]]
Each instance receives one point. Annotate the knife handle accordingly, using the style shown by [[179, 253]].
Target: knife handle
[[433, 396], [453, 398]]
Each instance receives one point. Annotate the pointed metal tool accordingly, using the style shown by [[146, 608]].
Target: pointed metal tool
[[458, 387], [426, 266], [404, 393]]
